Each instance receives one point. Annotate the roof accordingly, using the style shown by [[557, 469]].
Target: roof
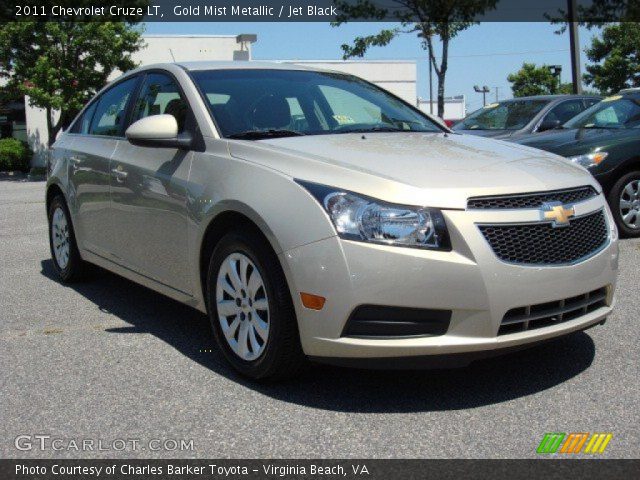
[[549, 97], [222, 65]]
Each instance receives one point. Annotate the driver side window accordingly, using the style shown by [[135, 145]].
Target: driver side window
[[160, 95]]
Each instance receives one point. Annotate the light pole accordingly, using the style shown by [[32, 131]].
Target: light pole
[[430, 89], [484, 90], [556, 70], [574, 41]]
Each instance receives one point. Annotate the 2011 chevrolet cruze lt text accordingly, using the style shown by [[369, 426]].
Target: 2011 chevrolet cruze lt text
[[313, 215]]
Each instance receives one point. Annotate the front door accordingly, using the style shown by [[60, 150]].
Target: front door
[[148, 193]]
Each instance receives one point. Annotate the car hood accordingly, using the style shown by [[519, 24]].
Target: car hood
[[577, 141], [439, 170]]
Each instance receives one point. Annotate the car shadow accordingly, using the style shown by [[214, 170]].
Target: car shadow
[[484, 382]]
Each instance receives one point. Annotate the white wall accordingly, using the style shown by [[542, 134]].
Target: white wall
[[454, 107], [397, 76]]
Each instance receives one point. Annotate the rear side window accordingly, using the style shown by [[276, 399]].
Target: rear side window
[[160, 95], [84, 121], [590, 102], [109, 117], [565, 111]]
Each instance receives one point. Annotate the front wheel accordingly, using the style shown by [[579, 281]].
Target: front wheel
[[624, 199], [250, 308]]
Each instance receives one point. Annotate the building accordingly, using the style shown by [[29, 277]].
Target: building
[[397, 76], [455, 108], [22, 121]]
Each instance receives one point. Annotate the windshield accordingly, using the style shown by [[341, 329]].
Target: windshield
[[613, 112], [511, 115], [258, 103]]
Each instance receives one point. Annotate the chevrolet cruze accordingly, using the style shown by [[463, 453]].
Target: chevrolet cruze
[[313, 215]]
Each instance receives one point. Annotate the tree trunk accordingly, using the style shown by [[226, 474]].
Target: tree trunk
[[53, 129], [441, 95], [442, 73]]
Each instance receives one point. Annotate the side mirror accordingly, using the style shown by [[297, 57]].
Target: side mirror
[[548, 124], [158, 131]]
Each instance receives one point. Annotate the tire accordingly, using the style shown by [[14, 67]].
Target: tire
[[262, 307], [62, 242], [626, 189]]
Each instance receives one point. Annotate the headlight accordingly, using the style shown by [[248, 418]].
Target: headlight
[[357, 217], [589, 160]]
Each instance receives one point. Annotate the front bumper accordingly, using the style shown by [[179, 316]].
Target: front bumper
[[470, 281]]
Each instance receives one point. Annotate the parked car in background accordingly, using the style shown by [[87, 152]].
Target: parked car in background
[[521, 116], [606, 140]]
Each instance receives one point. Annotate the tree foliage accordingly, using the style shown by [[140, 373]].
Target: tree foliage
[[61, 64], [617, 55], [427, 19], [533, 80]]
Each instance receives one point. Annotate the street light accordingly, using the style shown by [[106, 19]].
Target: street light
[[556, 70], [484, 90]]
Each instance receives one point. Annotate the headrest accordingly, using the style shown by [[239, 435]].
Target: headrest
[[271, 111]]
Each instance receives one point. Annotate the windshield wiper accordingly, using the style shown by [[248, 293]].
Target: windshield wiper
[[373, 129], [603, 127], [259, 134]]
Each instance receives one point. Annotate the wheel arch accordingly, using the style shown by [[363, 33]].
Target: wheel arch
[[230, 216], [52, 191], [630, 165]]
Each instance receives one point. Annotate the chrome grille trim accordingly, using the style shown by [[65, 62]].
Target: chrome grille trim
[[531, 200]]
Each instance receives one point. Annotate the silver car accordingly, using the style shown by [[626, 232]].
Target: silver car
[[313, 215]]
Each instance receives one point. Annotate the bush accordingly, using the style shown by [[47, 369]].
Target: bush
[[14, 155]]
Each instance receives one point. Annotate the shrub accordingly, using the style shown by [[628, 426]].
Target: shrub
[[14, 155]]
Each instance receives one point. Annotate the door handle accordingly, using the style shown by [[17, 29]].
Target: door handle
[[120, 174]]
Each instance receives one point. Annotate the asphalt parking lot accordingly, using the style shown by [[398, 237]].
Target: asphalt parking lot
[[108, 360]]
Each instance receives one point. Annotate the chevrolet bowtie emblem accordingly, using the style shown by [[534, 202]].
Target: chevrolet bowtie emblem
[[557, 213]]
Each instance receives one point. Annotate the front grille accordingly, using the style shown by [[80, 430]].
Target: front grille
[[542, 244], [532, 200], [552, 313], [386, 322]]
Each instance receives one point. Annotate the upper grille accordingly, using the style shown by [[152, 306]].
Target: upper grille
[[542, 244], [532, 200], [552, 313]]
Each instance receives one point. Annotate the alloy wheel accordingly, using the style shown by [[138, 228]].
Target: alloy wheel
[[60, 238], [242, 306], [630, 204]]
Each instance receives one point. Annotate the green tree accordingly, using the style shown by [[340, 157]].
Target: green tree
[[533, 80], [61, 64], [427, 19], [617, 55]]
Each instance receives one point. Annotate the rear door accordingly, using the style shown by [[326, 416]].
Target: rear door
[[149, 188], [96, 134]]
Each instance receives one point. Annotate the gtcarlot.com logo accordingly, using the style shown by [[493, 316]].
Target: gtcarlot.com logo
[[574, 443], [44, 442]]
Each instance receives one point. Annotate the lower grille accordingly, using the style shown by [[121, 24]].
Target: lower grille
[[547, 314], [542, 244], [384, 322]]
